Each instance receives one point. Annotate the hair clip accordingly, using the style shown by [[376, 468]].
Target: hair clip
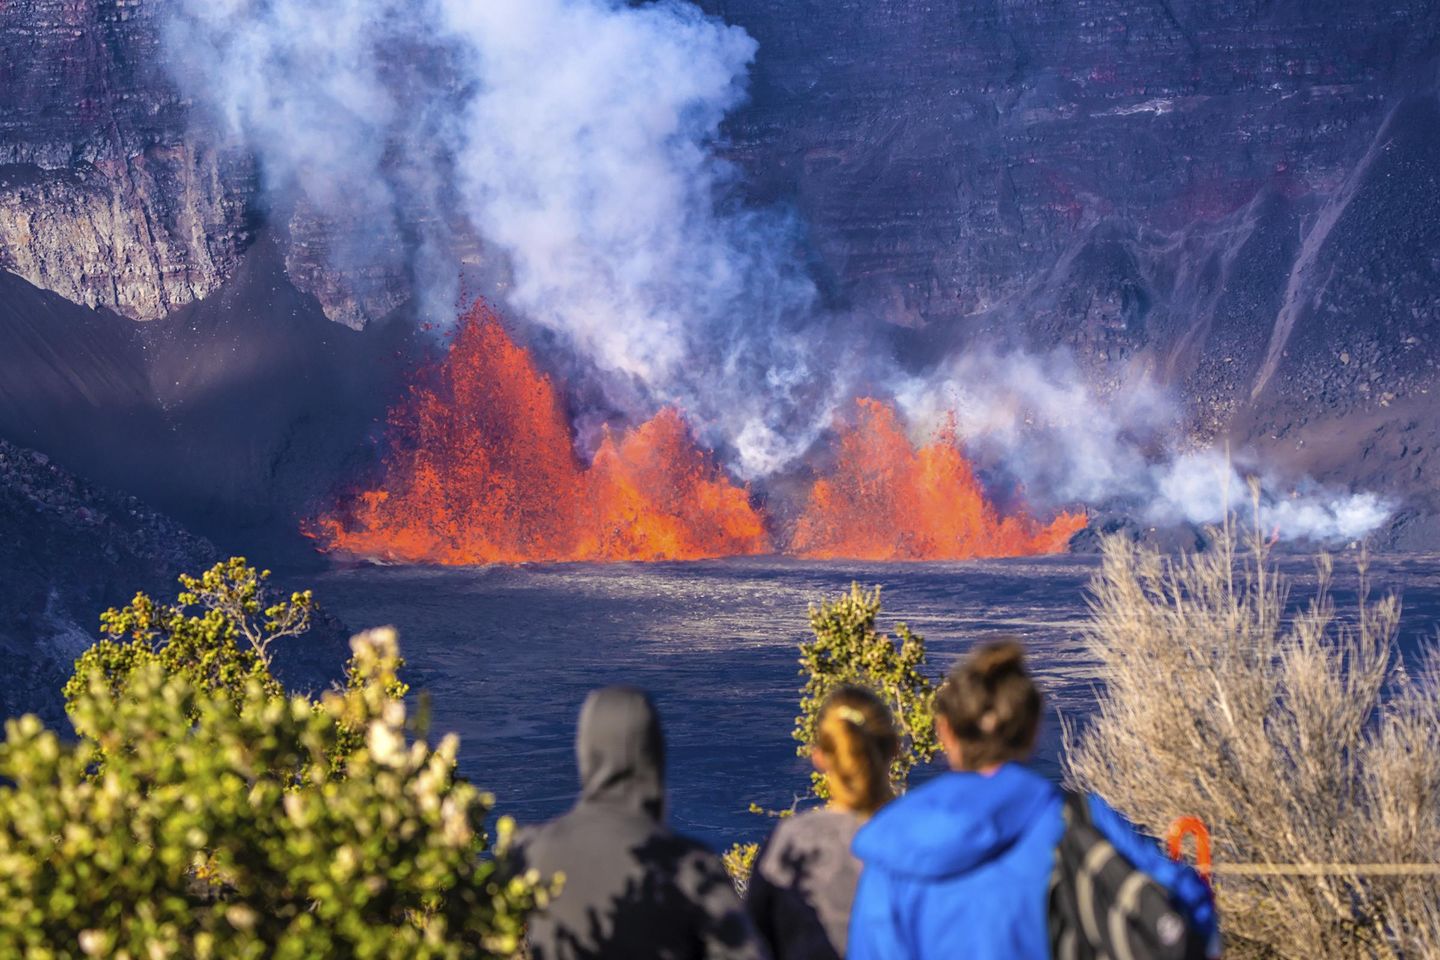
[[850, 715]]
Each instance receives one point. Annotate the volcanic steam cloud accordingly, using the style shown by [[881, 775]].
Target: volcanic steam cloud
[[481, 468]]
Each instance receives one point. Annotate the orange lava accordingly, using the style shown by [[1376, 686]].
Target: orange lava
[[888, 500], [481, 468]]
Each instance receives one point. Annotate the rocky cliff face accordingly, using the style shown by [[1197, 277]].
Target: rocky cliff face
[[141, 234], [1237, 199], [114, 193], [103, 197], [947, 154]]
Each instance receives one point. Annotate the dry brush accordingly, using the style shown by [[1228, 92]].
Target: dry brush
[[1294, 731]]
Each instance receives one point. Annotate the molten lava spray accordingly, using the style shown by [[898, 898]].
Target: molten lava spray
[[481, 468], [888, 500]]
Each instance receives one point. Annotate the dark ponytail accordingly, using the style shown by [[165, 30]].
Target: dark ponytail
[[991, 705]]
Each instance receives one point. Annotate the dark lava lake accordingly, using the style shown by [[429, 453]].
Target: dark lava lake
[[508, 653]]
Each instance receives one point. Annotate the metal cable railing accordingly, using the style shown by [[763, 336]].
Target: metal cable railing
[[1183, 827], [1326, 869]]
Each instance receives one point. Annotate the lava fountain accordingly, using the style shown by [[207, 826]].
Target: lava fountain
[[888, 499], [481, 468]]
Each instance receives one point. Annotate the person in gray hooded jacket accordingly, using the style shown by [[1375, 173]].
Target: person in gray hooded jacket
[[633, 889]]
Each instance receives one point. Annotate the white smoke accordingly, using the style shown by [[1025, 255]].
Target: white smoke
[[1204, 487], [1042, 426], [352, 137], [576, 138]]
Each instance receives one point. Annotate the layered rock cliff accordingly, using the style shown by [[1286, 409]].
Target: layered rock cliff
[[1237, 199], [115, 192], [103, 197]]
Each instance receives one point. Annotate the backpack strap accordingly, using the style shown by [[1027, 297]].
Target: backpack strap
[[1067, 939], [1077, 807]]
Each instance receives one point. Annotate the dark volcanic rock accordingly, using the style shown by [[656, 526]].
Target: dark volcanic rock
[[236, 415], [1174, 538], [268, 403], [1350, 386], [73, 381], [69, 550], [946, 156]]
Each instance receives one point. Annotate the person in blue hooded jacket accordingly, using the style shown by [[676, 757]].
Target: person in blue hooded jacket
[[960, 867]]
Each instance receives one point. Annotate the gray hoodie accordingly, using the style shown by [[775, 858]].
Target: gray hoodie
[[633, 888]]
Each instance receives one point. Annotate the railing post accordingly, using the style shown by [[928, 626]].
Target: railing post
[[1175, 839]]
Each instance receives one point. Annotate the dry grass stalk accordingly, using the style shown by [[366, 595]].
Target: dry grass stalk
[[1297, 739]]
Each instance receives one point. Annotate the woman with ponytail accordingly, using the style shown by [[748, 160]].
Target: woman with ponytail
[[804, 878], [961, 866]]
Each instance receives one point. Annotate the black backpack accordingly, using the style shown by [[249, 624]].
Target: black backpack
[[1103, 908]]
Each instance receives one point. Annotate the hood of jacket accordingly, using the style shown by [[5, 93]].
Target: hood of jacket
[[956, 822], [621, 751]]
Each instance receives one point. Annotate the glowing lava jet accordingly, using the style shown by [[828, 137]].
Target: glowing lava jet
[[481, 468], [886, 499]]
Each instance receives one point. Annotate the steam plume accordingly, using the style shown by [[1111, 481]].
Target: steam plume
[[570, 145], [575, 137], [1037, 423]]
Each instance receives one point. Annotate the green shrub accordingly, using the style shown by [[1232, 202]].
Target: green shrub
[[218, 633], [218, 828], [848, 649], [206, 813]]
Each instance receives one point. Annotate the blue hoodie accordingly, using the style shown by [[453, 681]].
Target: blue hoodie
[[960, 867]]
